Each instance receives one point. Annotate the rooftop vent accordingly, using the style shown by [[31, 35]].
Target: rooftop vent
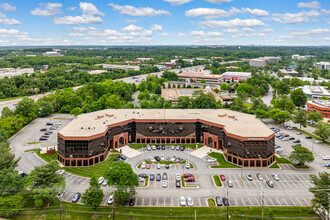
[[82, 127], [222, 115], [231, 116]]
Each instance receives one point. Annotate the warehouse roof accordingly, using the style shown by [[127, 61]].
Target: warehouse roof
[[235, 123]]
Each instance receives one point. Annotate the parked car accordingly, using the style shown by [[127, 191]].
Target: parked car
[[48, 133], [58, 123], [49, 123], [157, 158], [178, 176], [186, 175], [148, 166], [122, 157], [183, 201], [178, 160], [143, 165], [249, 177], [218, 201], [285, 139], [177, 148], [153, 147], [318, 142], [45, 136], [187, 165], [275, 176], [143, 175], [158, 147], [259, 177], [105, 182], [222, 177], [309, 137], [151, 159], [327, 165], [148, 148], [299, 133], [158, 166], [211, 160], [110, 200], [76, 197], [230, 184], [164, 185], [167, 166], [60, 172], [270, 183], [182, 148], [43, 139], [225, 201], [178, 183], [100, 180], [124, 202], [43, 129], [291, 138], [326, 157], [190, 179], [163, 147], [158, 177], [152, 177], [190, 202], [164, 176], [172, 147], [296, 141], [279, 149], [132, 201], [162, 157]]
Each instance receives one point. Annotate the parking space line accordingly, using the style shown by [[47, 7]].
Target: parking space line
[[243, 201], [298, 181], [306, 201], [171, 201], [299, 201], [278, 201], [257, 201], [249, 201], [285, 201], [199, 200], [292, 201], [236, 201], [164, 201]]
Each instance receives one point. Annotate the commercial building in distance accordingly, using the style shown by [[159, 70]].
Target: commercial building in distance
[[123, 67], [322, 106], [198, 76], [322, 65], [243, 138], [11, 72], [290, 72], [52, 54], [298, 57], [236, 76], [316, 92], [263, 61]]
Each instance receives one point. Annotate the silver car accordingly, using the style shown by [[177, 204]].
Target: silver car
[[189, 201], [183, 201]]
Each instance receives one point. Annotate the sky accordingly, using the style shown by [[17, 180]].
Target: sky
[[164, 22]]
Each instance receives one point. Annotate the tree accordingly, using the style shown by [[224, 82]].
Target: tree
[[319, 190], [301, 155], [93, 196], [172, 76], [121, 176], [76, 111], [298, 97], [203, 81], [27, 108], [6, 112], [279, 116], [260, 113], [315, 116], [323, 130], [284, 103], [244, 88], [7, 159], [224, 86], [46, 108], [300, 117], [158, 90], [11, 205], [10, 182], [184, 102]]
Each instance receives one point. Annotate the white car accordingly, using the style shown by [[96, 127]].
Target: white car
[[148, 147], [110, 200], [100, 180], [326, 157], [162, 158], [143, 166], [279, 149], [151, 159], [178, 176], [60, 172], [158, 166], [153, 147], [183, 201], [58, 123], [318, 142], [105, 182], [187, 165], [173, 158], [189, 201], [260, 177], [275, 176], [211, 160], [164, 184], [289, 128]]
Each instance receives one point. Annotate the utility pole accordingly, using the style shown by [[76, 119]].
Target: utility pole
[[262, 202]]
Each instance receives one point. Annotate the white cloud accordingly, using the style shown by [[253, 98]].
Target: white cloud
[[180, 34], [218, 1], [303, 34], [250, 35], [7, 7], [8, 21], [156, 27], [246, 29], [90, 15], [301, 17], [89, 9], [141, 11], [130, 20], [326, 12], [178, 2], [165, 34], [12, 33], [210, 13], [267, 30], [311, 5], [47, 9], [232, 23], [132, 28], [231, 30], [76, 34], [72, 9], [201, 34]]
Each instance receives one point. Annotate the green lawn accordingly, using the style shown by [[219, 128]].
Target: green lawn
[[30, 143], [82, 212], [217, 180], [248, 105], [11, 98], [274, 165], [283, 160], [312, 135], [45, 157], [95, 170], [222, 161]]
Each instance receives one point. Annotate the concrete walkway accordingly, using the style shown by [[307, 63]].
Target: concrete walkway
[[129, 152], [204, 151]]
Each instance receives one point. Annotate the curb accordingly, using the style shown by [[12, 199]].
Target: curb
[[219, 187]]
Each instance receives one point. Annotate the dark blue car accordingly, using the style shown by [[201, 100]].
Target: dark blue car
[[152, 177]]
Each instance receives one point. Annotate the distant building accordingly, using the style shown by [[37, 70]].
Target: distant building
[[216, 58], [322, 65], [289, 72], [30, 55], [263, 61], [97, 71], [316, 92], [322, 106], [123, 67], [11, 72], [141, 60], [198, 76], [161, 67], [298, 57], [236, 76], [234, 68], [52, 54]]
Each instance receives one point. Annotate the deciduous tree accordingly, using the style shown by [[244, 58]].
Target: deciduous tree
[[323, 130], [301, 155]]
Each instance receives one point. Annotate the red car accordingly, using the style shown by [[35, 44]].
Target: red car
[[222, 177], [190, 179], [148, 166], [186, 175]]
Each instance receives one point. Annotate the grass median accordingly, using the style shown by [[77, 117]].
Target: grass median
[[283, 160], [312, 135], [217, 181], [222, 163], [82, 212]]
